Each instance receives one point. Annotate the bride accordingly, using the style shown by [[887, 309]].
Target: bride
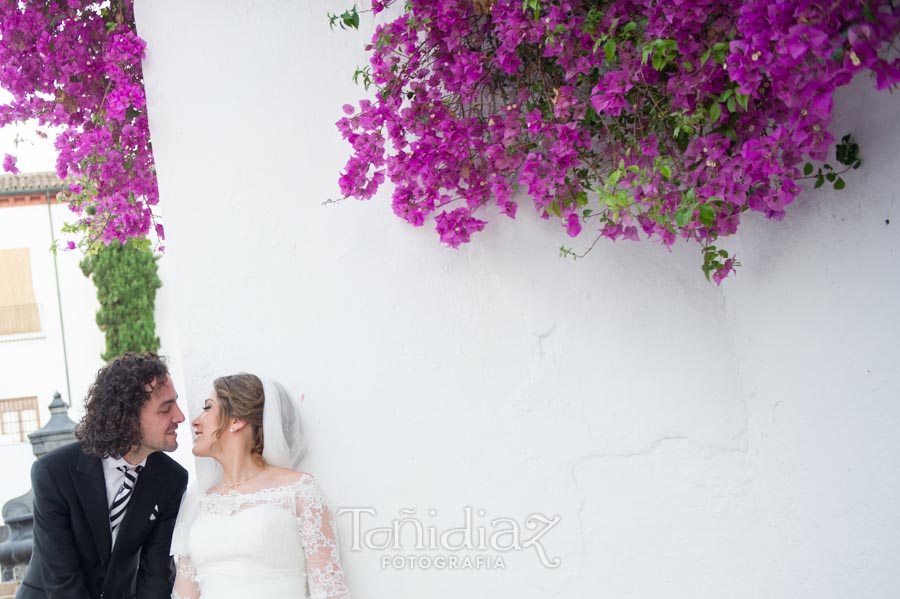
[[254, 526]]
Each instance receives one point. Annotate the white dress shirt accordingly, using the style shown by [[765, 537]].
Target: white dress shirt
[[115, 478]]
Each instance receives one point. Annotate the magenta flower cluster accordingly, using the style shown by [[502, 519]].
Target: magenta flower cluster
[[624, 119], [76, 65]]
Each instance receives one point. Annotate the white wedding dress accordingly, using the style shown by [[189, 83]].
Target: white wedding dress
[[279, 542]]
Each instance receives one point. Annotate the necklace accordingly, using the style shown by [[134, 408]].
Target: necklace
[[233, 486]]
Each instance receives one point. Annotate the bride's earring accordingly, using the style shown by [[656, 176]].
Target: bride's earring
[[232, 429]]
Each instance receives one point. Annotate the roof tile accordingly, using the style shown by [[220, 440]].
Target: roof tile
[[30, 182]]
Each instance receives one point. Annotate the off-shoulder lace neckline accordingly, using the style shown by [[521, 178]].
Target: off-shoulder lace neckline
[[305, 477]]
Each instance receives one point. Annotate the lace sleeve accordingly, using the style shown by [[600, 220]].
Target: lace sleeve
[[186, 585], [318, 536]]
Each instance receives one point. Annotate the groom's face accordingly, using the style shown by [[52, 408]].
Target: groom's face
[[160, 417]]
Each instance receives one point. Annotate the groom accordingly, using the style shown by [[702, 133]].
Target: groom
[[104, 508]]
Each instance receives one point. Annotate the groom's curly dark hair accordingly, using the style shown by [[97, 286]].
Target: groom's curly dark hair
[[111, 426]]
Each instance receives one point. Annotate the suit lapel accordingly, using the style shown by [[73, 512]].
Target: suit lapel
[[140, 506], [91, 488]]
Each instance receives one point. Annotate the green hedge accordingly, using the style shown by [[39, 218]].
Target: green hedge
[[126, 280]]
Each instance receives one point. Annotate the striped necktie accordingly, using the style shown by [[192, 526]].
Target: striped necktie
[[120, 503]]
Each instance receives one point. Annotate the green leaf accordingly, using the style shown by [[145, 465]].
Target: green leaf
[[666, 172], [831, 177], [868, 14], [533, 5], [350, 18], [839, 184], [732, 107], [609, 48], [820, 181], [683, 216], [565, 252], [707, 215], [808, 169], [731, 133], [715, 111], [847, 152], [743, 100], [659, 61]]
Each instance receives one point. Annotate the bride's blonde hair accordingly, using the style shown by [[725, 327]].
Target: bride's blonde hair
[[241, 396]]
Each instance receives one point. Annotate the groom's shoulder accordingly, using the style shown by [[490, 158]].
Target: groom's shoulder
[[62, 456]]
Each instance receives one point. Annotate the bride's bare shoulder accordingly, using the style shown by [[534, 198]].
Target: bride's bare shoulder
[[286, 476]]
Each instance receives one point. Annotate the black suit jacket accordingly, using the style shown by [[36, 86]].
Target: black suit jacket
[[72, 555]]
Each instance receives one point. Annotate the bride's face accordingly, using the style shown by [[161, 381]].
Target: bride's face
[[205, 426]]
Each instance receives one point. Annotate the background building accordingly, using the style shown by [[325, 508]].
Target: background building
[[49, 340]]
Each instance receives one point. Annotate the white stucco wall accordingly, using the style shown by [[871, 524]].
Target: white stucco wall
[[696, 441]]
